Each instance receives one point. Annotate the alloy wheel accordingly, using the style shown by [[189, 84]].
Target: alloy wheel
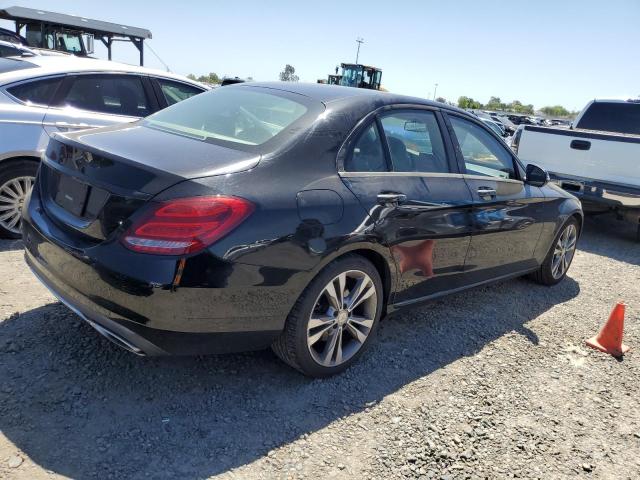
[[12, 196], [342, 318], [564, 251]]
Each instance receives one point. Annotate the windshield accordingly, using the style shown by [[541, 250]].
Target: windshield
[[351, 76], [242, 116]]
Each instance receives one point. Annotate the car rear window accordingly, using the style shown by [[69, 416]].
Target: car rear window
[[612, 117], [239, 116], [14, 64]]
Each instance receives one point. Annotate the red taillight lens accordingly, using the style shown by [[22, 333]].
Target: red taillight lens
[[186, 225]]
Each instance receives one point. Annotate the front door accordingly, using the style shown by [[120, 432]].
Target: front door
[[507, 213], [404, 173]]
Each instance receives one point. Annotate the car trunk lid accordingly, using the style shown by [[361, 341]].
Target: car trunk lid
[[92, 182]]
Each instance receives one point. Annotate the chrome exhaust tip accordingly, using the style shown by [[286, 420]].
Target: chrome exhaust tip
[[117, 339]]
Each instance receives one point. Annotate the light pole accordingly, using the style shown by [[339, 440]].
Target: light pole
[[360, 41], [435, 89]]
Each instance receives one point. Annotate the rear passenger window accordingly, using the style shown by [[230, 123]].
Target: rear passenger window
[[415, 142], [367, 155], [38, 92], [483, 154], [112, 94], [174, 92]]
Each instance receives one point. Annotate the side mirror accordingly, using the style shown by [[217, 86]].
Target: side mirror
[[536, 176]]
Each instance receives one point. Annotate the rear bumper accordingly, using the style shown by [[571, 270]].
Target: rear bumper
[[147, 341], [134, 300], [599, 193]]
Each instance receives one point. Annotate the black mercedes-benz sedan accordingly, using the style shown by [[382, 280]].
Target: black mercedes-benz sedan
[[286, 215]]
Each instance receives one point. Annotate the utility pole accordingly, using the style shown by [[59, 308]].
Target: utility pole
[[360, 41], [435, 89]]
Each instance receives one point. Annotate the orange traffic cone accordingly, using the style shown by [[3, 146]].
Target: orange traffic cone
[[609, 339]]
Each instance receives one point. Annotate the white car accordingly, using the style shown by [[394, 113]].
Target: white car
[[41, 95]]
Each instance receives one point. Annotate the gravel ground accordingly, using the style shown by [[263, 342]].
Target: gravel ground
[[492, 383]]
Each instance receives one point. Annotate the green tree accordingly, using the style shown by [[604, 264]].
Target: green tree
[[556, 111], [468, 102], [288, 74], [495, 104], [211, 78]]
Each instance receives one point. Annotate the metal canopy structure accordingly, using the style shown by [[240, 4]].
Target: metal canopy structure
[[107, 32]]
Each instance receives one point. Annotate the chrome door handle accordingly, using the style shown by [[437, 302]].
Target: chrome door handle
[[487, 192], [71, 125], [391, 198]]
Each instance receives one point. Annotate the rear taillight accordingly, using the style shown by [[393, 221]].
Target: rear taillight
[[186, 225]]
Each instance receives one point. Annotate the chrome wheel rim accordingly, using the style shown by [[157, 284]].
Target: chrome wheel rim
[[342, 318], [12, 196], [563, 251]]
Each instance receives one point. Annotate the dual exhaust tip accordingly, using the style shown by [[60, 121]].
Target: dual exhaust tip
[[117, 339]]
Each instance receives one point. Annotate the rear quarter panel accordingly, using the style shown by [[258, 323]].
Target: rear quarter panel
[[21, 131]]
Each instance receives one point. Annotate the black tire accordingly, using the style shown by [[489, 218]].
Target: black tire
[[12, 169], [544, 275], [292, 346]]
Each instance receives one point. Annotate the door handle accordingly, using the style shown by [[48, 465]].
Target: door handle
[[487, 192], [391, 198], [580, 145], [71, 125]]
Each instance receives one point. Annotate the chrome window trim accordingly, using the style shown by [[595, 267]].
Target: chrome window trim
[[490, 178], [402, 174]]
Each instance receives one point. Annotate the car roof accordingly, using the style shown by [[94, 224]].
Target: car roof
[[331, 93], [43, 65], [615, 100]]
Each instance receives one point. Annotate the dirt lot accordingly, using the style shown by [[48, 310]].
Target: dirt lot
[[491, 383]]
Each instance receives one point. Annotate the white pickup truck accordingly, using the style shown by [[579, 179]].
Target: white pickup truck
[[597, 159]]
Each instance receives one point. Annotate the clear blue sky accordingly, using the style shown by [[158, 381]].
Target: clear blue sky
[[541, 52]]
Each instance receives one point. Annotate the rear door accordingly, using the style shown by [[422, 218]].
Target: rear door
[[403, 171], [100, 99], [507, 213]]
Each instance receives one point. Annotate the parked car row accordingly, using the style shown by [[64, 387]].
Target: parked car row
[[272, 214], [493, 120], [42, 94]]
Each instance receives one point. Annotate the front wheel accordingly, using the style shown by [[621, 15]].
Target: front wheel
[[334, 319], [556, 264]]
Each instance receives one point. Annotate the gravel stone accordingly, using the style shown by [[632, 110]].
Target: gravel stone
[[492, 383]]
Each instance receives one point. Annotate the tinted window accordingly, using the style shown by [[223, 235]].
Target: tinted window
[[12, 64], [5, 37], [175, 92], [239, 115], [483, 154], [38, 92], [113, 94], [415, 142], [367, 154], [612, 117], [6, 51]]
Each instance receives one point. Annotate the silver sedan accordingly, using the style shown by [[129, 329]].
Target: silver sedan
[[40, 95]]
